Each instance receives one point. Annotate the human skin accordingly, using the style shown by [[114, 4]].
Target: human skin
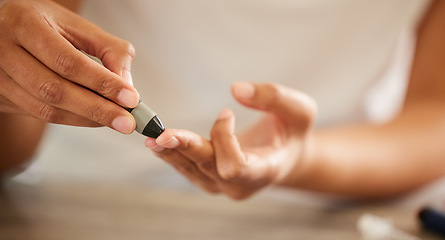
[[361, 161], [44, 78]]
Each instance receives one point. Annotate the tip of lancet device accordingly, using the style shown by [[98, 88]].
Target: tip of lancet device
[[154, 128]]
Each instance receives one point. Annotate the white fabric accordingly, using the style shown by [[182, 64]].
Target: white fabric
[[188, 52]]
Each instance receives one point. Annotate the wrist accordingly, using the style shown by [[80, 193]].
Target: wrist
[[299, 171]]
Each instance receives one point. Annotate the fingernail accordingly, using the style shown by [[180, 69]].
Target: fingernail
[[123, 124], [243, 90], [128, 98], [126, 75], [225, 113], [167, 141]]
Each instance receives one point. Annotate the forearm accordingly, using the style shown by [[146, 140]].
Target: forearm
[[377, 161], [20, 136]]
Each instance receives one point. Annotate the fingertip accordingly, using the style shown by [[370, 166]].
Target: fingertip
[[243, 90], [167, 139], [225, 123], [173, 142], [225, 113]]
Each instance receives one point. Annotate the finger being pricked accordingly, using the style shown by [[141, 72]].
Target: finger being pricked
[[189, 144], [170, 149]]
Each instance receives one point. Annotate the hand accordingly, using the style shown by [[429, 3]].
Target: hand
[[43, 75], [263, 155]]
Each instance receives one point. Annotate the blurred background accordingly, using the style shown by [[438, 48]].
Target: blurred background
[[189, 52], [352, 57]]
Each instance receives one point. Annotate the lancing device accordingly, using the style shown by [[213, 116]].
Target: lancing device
[[147, 121], [432, 220]]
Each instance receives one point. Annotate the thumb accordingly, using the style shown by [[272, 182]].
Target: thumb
[[285, 102], [117, 59]]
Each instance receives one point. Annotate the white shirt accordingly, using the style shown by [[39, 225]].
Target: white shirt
[[189, 52]]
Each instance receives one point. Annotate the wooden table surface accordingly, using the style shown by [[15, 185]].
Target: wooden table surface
[[81, 211]]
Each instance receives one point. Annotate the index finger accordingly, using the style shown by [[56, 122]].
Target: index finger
[[193, 146]]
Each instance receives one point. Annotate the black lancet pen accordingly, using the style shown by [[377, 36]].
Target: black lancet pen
[[147, 121]]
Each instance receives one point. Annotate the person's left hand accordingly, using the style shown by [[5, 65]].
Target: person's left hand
[[262, 155]]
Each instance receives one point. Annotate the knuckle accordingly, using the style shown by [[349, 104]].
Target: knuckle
[[50, 91], [13, 7], [17, 13], [97, 113], [47, 113], [185, 143], [66, 65], [232, 174], [105, 87], [122, 48]]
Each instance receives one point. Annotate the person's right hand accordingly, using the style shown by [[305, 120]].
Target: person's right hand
[[43, 75]]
